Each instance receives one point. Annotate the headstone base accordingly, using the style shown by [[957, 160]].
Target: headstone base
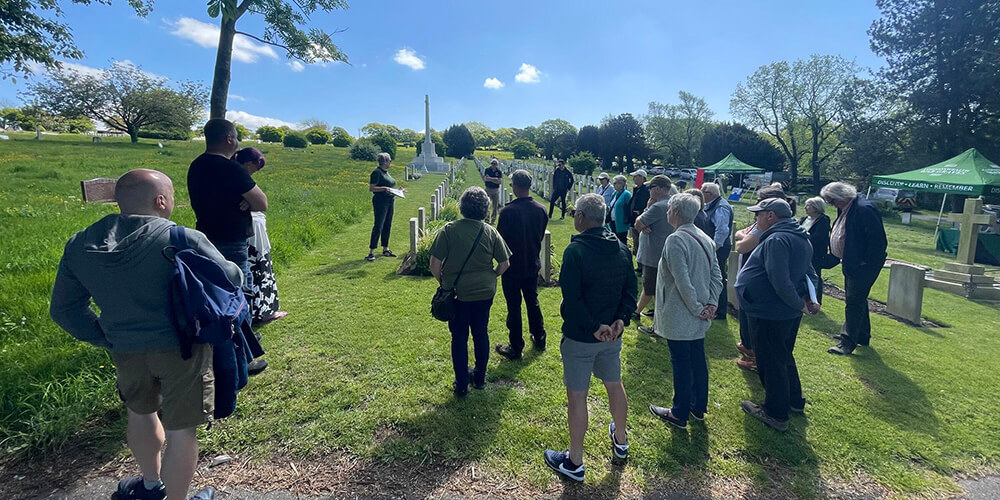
[[964, 268]]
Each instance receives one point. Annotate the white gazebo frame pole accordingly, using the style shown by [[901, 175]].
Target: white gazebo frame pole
[[938, 225]]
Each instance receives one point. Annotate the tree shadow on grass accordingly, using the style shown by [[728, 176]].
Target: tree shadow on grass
[[892, 396]]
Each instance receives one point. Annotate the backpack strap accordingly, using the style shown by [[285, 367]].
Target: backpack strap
[[471, 251], [702, 245]]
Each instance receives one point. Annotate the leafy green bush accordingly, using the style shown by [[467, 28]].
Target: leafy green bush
[[241, 132], [364, 150], [523, 148], [459, 141], [318, 136], [295, 139], [342, 140], [583, 163], [385, 143], [449, 211], [268, 133]]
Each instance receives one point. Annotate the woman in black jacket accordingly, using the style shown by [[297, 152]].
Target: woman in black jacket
[[817, 223]]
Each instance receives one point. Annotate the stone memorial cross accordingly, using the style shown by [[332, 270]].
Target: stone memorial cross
[[970, 219]]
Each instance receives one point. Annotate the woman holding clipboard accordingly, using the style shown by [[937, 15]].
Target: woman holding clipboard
[[381, 184]]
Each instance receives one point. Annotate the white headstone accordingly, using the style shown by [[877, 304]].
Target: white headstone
[[414, 235], [906, 291]]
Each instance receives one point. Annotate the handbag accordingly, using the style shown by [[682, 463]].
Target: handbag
[[443, 302]]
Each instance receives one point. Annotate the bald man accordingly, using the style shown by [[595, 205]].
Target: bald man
[[117, 263]]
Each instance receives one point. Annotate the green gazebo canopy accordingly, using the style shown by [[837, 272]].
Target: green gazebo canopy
[[732, 165], [969, 173]]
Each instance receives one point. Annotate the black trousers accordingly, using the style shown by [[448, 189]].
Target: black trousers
[[559, 194], [857, 325], [383, 207], [722, 255], [514, 287], [774, 343]]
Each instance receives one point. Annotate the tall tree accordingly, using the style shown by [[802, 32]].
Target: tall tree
[[31, 33], [622, 139], [818, 94], [675, 130], [943, 57], [123, 96], [283, 19], [547, 133], [766, 102], [589, 139], [482, 134], [505, 136], [458, 141]]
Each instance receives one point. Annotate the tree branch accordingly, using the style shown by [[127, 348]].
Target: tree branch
[[261, 40]]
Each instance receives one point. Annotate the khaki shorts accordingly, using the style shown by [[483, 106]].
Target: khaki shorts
[[182, 390], [580, 359]]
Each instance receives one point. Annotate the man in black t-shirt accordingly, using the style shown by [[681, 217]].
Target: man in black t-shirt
[[492, 177], [222, 196], [522, 225], [562, 182]]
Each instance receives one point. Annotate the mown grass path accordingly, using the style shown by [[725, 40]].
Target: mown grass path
[[358, 393]]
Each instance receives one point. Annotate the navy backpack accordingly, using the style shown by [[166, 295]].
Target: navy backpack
[[207, 308]]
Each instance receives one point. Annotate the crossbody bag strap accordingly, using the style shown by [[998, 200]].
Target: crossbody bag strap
[[467, 257], [702, 245]]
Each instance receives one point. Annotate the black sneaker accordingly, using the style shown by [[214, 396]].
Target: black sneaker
[[619, 450], [800, 409], [538, 341], [460, 392], [388, 253], [647, 330], [370, 257], [559, 461], [637, 318], [667, 416], [133, 488], [472, 380], [204, 494], [757, 411], [697, 415], [649, 314], [507, 352], [840, 349], [256, 366]]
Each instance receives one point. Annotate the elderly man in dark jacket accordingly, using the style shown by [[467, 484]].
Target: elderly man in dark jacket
[[596, 308], [771, 287], [858, 240]]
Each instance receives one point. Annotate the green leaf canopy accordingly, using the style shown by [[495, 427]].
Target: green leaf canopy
[[969, 173], [732, 165]]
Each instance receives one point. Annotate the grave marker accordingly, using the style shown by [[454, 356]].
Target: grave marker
[[970, 219], [99, 190], [545, 255], [414, 235], [434, 207], [906, 291], [421, 219]]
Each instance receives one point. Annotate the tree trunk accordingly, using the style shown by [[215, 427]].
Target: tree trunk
[[815, 160], [133, 133], [223, 66]]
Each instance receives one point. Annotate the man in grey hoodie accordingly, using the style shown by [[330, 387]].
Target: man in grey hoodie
[[771, 287], [118, 263]]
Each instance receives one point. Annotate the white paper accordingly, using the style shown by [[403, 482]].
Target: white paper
[[397, 192], [812, 290]]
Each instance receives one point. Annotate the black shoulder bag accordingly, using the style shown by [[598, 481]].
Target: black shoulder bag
[[443, 303]]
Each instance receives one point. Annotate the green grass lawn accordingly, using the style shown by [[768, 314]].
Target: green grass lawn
[[360, 367]]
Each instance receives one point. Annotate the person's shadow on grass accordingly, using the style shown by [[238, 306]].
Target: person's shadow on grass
[[892, 396]]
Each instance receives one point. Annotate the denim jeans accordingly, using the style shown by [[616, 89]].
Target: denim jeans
[[513, 289], [775, 341], [237, 252], [687, 358], [474, 317]]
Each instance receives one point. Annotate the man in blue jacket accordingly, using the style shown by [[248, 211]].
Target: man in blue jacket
[[595, 309], [118, 263], [771, 287]]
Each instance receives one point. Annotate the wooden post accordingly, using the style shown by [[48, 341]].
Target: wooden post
[[434, 207], [414, 235], [421, 219], [546, 258]]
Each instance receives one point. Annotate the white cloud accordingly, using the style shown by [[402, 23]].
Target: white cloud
[[83, 69], [237, 98], [297, 66], [207, 35], [528, 74], [408, 57], [253, 122], [493, 83]]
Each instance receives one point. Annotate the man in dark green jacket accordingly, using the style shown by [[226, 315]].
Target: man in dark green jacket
[[596, 307]]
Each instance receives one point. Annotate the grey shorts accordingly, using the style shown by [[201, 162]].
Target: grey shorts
[[649, 279], [580, 359]]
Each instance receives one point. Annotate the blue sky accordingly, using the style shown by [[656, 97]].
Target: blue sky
[[577, 60]]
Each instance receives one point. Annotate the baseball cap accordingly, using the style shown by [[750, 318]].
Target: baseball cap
[[604, 175], [778, 206], [640, 172]]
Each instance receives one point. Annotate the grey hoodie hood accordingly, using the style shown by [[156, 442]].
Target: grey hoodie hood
[[119, 239]]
